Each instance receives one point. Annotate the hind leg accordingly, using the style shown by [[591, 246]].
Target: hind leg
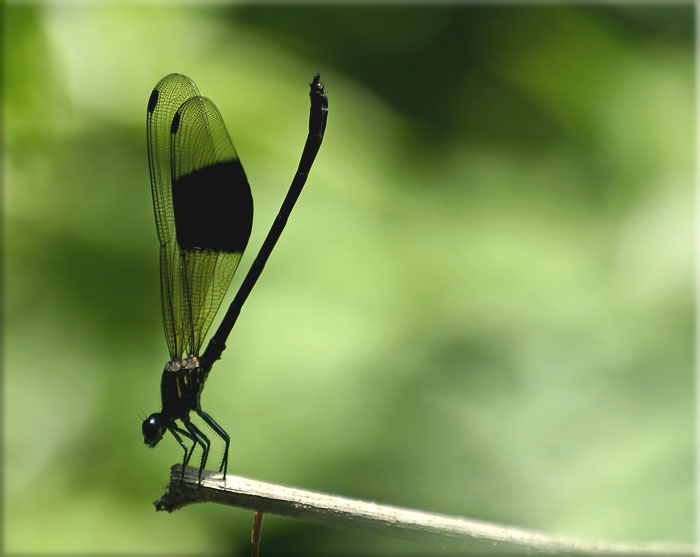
[[221, 433]]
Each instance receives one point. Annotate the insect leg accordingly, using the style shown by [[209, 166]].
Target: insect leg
[[221, 433], [203, 441], [188, 453], [187, 434]]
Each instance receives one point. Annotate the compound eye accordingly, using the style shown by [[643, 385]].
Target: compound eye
[[152, 431]]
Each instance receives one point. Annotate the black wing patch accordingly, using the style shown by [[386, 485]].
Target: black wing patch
[[211, 197]]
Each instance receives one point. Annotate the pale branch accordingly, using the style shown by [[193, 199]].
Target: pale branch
[[467, 535]]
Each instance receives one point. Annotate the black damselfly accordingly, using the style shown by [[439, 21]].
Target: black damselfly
[[204, 215]]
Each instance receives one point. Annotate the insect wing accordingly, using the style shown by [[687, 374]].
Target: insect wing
[[167, 96], [213, 216]]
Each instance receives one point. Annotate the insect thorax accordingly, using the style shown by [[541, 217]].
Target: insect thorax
[[181, 384]]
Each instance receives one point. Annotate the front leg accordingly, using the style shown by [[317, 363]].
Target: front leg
[[188, 453]]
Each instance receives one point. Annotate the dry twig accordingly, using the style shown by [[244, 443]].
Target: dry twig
[[463, 534]]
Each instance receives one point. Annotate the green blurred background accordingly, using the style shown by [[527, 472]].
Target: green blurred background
[[482, 304]]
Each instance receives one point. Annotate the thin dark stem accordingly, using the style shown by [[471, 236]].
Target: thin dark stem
[[255, 534], [317, 126]]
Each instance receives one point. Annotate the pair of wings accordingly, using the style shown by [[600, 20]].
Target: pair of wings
[[203, 208]]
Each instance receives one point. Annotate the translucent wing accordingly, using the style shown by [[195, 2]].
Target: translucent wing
[[202, 205], [213, 212], [167, 96]]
